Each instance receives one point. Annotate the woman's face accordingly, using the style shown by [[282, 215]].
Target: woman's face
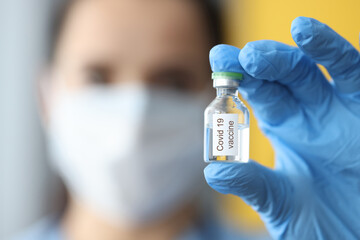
[[160, 43], [108, 43]]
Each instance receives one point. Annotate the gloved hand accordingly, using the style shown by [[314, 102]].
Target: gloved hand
[[313, 125]]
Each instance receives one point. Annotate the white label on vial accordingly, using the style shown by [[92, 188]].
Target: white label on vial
[[225, 134]]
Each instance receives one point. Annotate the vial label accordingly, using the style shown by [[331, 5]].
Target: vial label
[[225, 134]]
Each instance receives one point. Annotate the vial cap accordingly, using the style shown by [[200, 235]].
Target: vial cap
[[227, 79], [228, 75]]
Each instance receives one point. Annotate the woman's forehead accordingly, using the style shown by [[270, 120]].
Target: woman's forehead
[[133, 29]]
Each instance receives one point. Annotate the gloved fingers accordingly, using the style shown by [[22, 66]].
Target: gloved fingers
[[271, 102], [265, 190], [224, 58], [288, 66], [328, 48]]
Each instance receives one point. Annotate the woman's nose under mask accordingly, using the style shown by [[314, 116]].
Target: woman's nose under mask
[[131, 153]]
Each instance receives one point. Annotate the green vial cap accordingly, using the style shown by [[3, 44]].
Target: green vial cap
[[228, 75]]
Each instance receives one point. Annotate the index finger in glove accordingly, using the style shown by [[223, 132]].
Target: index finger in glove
[[271, 102], [288, 66]]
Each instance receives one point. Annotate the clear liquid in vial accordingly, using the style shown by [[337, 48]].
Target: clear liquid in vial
[[243, 146]]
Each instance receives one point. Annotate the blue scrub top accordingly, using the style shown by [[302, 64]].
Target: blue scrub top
[[49, 229]]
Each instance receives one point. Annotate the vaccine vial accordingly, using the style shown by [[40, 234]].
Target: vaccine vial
[[227, 134]]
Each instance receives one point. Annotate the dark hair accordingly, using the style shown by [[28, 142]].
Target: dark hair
[[212, 12], [59, 14], [62, 8]]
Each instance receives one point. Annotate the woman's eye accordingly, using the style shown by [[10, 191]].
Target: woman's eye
[[175, 80], [175, 83], [98, 76]]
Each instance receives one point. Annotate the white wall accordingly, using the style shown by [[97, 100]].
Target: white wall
[[26, 184]]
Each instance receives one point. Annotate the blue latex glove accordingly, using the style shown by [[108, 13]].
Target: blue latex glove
[[313, 125]]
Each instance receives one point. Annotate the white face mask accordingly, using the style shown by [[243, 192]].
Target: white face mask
[[132, 154]]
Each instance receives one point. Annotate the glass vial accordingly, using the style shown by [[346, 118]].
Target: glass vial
[[227, 134]]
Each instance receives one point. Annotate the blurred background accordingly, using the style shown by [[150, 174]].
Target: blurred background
[[28, 188]]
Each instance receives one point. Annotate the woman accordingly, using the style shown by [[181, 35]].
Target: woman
[[122, 105]]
